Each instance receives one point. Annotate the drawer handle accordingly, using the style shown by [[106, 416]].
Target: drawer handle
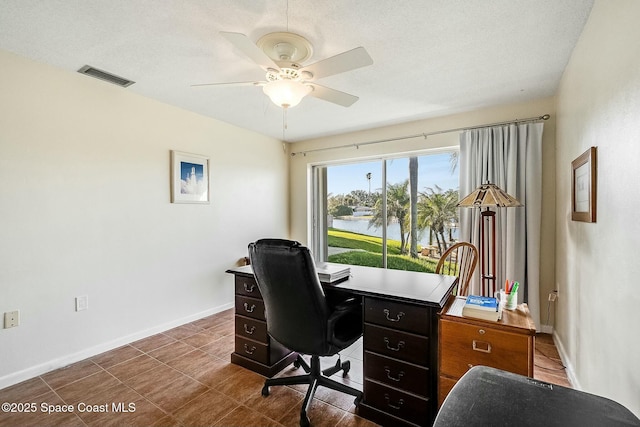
[[398, 348], [250, 332], [249, 288], [391, 405], [246, 307], [388, 371], [249, 351], [482, 346], [398, 317]]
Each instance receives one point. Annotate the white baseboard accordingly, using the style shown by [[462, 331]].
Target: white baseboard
[[566, 362], [546, 329], [34, 371]]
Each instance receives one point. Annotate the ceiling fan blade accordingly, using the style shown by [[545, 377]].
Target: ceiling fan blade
[[244, 44], [254, 83], [332, 95], [345, 61]]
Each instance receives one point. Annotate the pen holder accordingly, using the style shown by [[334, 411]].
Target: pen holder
[[508, 301]]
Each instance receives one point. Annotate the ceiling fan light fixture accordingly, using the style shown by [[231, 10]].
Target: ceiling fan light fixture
[[286, 93]]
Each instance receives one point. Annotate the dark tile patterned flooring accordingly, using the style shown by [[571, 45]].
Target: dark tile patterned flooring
[[183, 377]]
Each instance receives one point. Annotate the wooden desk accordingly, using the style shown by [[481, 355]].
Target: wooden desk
[[507, 344], [400, 339]]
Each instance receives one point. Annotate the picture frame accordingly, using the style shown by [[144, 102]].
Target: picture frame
[[189, 178], [584, 186]]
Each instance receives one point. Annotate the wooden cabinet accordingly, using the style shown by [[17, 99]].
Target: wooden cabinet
[[398, 384], [254, 348], [507, 344]]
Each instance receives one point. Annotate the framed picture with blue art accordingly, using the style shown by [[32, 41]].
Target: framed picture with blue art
[[189, 178]]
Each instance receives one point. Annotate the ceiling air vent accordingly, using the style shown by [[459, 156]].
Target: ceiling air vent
[[103, 75]]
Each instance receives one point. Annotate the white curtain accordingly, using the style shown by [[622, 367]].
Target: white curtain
[[511, 157]]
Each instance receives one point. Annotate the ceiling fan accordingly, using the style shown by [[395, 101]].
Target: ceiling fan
[[281, 54]]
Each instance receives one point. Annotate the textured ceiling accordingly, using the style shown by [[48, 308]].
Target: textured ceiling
[[431, 57]]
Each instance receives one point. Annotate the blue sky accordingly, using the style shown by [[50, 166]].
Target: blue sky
[[433, 170]]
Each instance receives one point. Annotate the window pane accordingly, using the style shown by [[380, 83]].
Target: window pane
[[399, 216], [352, 192], [358, 222], [416, 245]]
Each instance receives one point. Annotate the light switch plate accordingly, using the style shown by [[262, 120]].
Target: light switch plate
[[82, 303]]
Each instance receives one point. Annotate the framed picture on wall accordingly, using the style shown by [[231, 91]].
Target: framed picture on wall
[[583, 186], [189, 178]]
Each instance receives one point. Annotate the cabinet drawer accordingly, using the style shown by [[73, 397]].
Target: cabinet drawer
[[396, 344], [397, 403], [247, 286], [407, 317], [463, 346], [267, 354], [445, 384], [395, 373], [251, 328], [251, 307]]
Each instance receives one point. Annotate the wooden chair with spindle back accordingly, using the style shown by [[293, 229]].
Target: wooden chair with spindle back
[[459, 260]]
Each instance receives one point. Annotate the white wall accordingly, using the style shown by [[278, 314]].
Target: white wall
[[85, 210], [597, 266], [300, 165]]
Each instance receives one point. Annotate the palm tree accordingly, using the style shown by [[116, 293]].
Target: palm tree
[[413, 198], [397, 207], [436, 209], [454, 160]]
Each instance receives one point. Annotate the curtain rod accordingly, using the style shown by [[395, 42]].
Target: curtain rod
[[423, 135]]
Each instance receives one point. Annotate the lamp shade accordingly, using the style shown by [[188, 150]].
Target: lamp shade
[[286, 93], [489, 195]]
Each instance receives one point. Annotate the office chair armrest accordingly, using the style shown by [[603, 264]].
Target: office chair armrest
[[345, 305], [345, 321]]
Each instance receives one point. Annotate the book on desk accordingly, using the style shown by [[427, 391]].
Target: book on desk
[[477, 307], [330, 273]]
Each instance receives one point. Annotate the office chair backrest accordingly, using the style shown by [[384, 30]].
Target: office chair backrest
[[295, 303], [459, 260]]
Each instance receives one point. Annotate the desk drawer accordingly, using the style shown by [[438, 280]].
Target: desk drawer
[[251, 307], [267, 354], [396, 344], [397, 403], [463, 346], [247, 286], [251, 328], [396, 315], [253, 350], [395, 373]]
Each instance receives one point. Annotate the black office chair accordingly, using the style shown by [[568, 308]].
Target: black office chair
[[300, 317]]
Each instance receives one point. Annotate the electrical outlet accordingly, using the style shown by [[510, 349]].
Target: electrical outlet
[[82, 303], [553, 295], [11, 319]]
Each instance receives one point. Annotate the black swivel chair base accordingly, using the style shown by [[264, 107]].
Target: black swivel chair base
[[314, 377]]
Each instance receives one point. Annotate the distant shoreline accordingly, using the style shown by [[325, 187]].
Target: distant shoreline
[[353, 218]]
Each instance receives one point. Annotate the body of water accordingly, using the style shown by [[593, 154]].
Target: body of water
[[393, 230]]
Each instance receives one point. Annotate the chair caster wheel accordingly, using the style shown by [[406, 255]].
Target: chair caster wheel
[[346, 366], [265, 391], [304, 421]]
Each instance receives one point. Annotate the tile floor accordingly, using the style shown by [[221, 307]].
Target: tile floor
[[183, 377]]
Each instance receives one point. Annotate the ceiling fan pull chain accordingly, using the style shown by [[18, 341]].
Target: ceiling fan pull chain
[[284, 123]]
